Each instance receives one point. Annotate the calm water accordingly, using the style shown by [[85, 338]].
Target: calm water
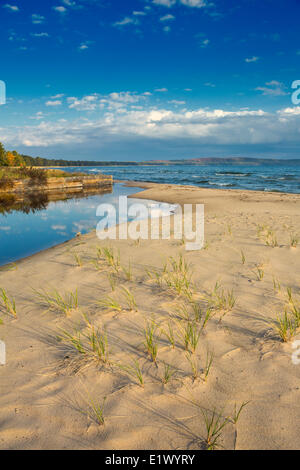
[[34, 227], [28, 228], [281, 178]]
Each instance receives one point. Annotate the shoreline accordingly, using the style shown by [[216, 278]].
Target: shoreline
[[46, 385], [150, 192]]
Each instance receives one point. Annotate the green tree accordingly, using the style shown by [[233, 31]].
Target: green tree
[[19, 160], [3, 159]]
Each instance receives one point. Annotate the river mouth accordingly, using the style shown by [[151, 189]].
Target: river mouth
[[40, 221]]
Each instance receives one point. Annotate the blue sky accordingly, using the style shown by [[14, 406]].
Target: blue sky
[[150, 79]]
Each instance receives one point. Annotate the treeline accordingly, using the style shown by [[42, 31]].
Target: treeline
[[13, 158], [38, 161], [8, 158]]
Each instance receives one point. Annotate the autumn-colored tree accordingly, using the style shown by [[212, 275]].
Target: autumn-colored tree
[[10, 159], [19, 160]]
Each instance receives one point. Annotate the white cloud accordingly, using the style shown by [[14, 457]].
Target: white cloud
[[139, 13], [38, 116], [123, 117], [14, 8], [37, 19], [40, 35], [60, 9], [202, 125], [167, 18], [127, 20], [290, 111], [251, 59], [87, 103], [54, 103], [177, 102], [58, 227], [124, 96], [161, 90], [273, 88], [166, 3], [188, 3], [194, 3], [204, 43]]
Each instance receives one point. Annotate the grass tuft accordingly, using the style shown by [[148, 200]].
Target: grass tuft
[[214, 424], [7, 303], [55, 301]]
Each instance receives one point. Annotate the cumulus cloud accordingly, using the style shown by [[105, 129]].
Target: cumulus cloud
[[200, 126], [87, 103]]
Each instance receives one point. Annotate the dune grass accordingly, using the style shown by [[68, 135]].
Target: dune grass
[[90, 342], [259, 272], [95, 411], [150, 342], [78, 260], [194, 365], [168, 373], [169, 334], [294, 240], [285, 327], [110, 303], [8, 304], [208, 364], [214, 425], [190, 334], [57, 302], [221, 299], [134, 370]]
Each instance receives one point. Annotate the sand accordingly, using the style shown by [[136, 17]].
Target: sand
[[46, 387]]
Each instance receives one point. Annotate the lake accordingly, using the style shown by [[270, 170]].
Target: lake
[[28, 228]]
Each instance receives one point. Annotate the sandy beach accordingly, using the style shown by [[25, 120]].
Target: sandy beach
[[55, 381]]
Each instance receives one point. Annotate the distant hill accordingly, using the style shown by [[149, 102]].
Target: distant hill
[[38, 161]]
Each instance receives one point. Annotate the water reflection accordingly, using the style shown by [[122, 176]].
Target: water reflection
[[42, 220], [37, 201]]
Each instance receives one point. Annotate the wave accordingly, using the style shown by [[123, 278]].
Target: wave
[[234, 173]]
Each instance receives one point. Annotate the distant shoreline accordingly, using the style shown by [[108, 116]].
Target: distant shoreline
[[196, 162]]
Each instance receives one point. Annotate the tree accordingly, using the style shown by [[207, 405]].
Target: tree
[[3, 159], [19, 160], [10, 158]]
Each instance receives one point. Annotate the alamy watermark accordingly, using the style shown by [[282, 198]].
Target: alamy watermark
[[2, 92], [296, 353], [296, 93], [2, 353], [152, 221]]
